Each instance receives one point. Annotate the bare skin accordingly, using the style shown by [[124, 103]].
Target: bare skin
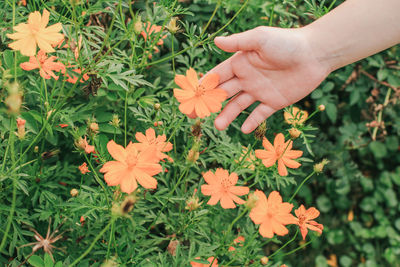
[[278, 67]]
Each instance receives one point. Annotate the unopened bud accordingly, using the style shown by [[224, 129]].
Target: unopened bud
[[294, 133], [264, 260], [196, 129], [193, 202], [94, 127], [193, 155], [320, 166], [321, 107], [125, 207], [172, 247], [74, 192], [172, 27], [251, 201], [157, 106], [138, 26], [115, 121], [36, 149], [261, 130], [350, 216], [21, 128]]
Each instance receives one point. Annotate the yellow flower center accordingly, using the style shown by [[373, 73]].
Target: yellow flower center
[[200, 90]]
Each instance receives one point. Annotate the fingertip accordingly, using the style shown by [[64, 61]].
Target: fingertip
[[247, 129], [220, 124]]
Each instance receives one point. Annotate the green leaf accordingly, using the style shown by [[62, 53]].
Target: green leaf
[[345, 261], [331, 111], [8, 58], [36, 261], [324, 204], [48, 262], [328, 87], [378, 149]]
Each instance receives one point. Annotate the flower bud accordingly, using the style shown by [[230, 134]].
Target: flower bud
[[193, 155], [110, 263], [157, 106], [36, 149], [193, 202], [350, 216], [138, 25], [21, 128], [172, 247], [172, 27], [261, 130], [294, 133], [196, 128], [115, 121], [264, 260], [83, 168], [251, 201], [94, 127], [321, 107], [320, 166], [125, 207], [14, 99], [74, 192]]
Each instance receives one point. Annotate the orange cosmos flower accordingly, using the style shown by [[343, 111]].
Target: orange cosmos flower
[[210, 259], [272, 214], [130, 167], [199, 99], [295, 116], [34, 33], [305, 220], [74, 78], [239, 240], [221, 187], [152, 29], [281, 151], [45, 65], [150, 140], [84, 168]]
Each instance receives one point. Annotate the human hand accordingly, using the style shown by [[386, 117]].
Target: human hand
[[274, 66]]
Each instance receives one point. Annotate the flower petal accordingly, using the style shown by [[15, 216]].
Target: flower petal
[[116, 151], [210, 81]]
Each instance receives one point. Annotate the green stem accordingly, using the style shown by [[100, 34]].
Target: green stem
[[93, 243], [97, 178], [298, 248], [302, 183], [271, 13], [125, 116], [111, 238], [285, 245], [172, 51], [200, 42], [11, 215], [211, 18]]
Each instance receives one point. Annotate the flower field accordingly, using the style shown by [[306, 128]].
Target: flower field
[[109, 155]]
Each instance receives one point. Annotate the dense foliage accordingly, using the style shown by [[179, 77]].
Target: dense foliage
[[125, 85]]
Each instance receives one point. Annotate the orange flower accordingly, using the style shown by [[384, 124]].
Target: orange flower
[[272, 214], [45, 65], [150, 140], [210, 259], [74, 78], [239, 240], [151, 29], [23, 2], [131, 166], [83, 144], [295, 116], [282, 152], [221, 187], [34, 33], [63, 125], [305, 220], [84, 168], [199, 99]]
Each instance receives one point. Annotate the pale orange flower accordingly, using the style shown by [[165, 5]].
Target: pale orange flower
[[23, 2], [84, 168], [34, 33], [199, 99], [272, 214], [305, 220], [74, 78], [239, 240], [150, 140], [45, 65], [153, 29], [295, 116], [221, 187], [131, 167], [210, 259], [281, 151]]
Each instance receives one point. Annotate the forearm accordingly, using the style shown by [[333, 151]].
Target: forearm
[[354, 30]]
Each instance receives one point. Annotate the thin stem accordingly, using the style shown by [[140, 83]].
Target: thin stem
[[286, 244], [172, 54], [93, 243], [111, 238], [302, 183], [271, 13], [125, 116], [97, 178], [200, 42], [211, 18], [385, 103], [298, 248]]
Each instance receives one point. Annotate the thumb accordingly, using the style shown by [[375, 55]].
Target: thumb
[[244, 41]]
